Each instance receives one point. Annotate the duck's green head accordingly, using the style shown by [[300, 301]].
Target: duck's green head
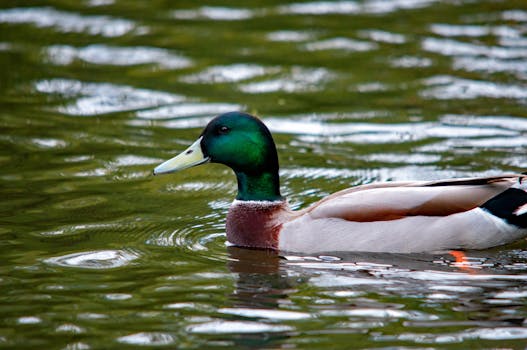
[[243, 143]]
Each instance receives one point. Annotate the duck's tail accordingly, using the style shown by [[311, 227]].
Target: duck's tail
[[511, 204]]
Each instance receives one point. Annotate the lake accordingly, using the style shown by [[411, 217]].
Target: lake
[[99, 254]]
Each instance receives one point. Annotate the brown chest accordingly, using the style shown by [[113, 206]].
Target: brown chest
[[255, 224]]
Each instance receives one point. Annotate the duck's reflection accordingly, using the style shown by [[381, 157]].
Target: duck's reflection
[[253, 261], [261, 288], [266, 279], [268, 289], [262, 281]]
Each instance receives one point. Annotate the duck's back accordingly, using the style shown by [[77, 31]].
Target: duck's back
[[413, 217]]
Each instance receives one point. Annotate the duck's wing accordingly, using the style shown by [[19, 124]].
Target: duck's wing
[[396, 200]]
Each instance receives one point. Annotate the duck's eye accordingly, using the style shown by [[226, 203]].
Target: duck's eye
[[223, 130]]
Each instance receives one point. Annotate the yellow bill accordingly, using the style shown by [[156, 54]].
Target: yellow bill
[[190, 157]]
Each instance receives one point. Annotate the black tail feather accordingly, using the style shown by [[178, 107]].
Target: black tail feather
[[506, 205]]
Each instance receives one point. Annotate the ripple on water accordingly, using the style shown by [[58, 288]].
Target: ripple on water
[[299, 79], [214, 13], [431, 275], [96, 3], [499, 333], [492, 65], [78, 345], [352, 7], [231, 73], [68, 22], [473, 30], [47, 143], [502, 122], [29, 320], [5, 46], [175, 238], [457, 288], [449, 47], [130, 160], [320, 8], [411, 62], [101, 259], [117, 56], [340, 43], [414, 158], [70, 328], [383, 36], [77, 203], [280, 315], [117, 296], [289, 36], [79, 228], [378, 133], [381, 313], [91, 316], [391, 277], [179, 111], [514, 15], [148, 338], [475, 144], [328, 280], [452, 88], [225, 327], [101, 98], [368, 87], [402, 173], [511, 294], [186, 238], [198, 186]]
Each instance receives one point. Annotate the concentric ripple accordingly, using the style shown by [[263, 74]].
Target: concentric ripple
[[99, 259]]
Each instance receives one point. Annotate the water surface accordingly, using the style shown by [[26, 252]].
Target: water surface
[[99, 254]]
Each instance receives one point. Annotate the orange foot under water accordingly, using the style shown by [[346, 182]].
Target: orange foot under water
[[461, 261]]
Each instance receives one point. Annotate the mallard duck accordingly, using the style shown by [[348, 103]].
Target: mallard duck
[[396, 217]]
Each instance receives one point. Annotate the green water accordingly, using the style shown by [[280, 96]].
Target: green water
[[99, 254]]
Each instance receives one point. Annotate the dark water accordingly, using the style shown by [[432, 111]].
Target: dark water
[[98, 254]]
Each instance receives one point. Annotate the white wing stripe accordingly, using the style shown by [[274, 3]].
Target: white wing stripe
[[521, 210]]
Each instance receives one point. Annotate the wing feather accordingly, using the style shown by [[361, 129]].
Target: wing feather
[[396, 200]]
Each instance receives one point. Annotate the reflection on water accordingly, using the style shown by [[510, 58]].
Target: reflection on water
[[352, 7], [297, 80], [230, 73], [121, 56], [144, 338], [101, 98], [448, 88], [94, 260], [340, 44], [214, 13], [269, 294], [67, 22], [99, 254]]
